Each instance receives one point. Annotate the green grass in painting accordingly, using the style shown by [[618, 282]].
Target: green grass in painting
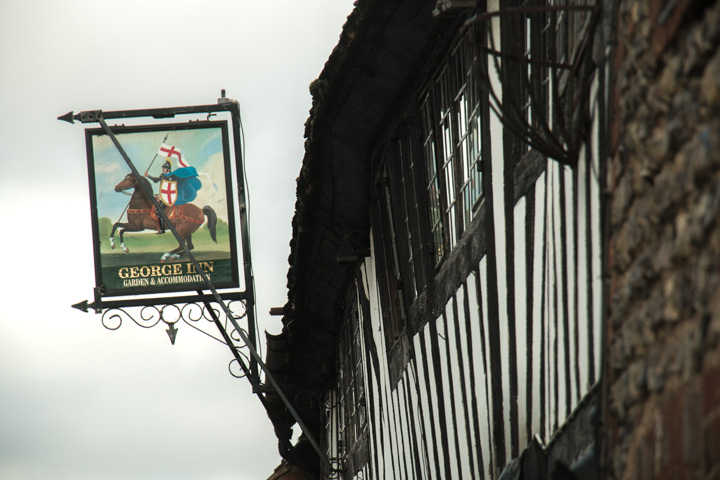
[[147, 242], [150, 258]]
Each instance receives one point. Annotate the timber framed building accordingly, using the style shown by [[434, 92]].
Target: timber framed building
[[463, 291]]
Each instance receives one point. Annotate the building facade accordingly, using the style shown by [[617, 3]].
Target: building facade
[[503, 255]]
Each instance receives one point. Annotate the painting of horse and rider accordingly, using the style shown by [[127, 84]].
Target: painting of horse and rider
[[184, 170]]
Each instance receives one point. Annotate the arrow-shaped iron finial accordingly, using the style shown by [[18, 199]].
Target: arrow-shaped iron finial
[[172, 332], [68, 117], [82, 306]]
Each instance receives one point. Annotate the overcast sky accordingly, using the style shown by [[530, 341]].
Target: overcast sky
[[78, 401]]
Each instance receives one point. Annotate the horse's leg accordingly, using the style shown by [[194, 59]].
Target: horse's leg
[[112, 233], [128, 228], [175, 254], [122, 242], [122, 227], [178, 252], [172, 254]]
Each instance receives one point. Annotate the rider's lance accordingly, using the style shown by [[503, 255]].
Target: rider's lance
[[153, 160], [146, 171]]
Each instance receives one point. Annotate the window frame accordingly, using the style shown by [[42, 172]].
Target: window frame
[[346, 412], [454, 126]]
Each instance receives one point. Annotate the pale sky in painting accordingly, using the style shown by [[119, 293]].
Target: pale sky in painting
[[201, 147], [78, 401]]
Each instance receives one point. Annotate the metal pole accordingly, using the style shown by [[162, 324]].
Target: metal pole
[[244, 236]]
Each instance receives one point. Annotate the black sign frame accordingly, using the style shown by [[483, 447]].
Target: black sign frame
[[134, 277]]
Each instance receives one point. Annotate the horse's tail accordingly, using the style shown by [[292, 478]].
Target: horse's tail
[[212, 221]]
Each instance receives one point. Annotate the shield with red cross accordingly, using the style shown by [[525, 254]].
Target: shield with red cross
[[168, 192]]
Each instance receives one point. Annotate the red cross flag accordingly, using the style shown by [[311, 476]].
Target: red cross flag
[[173, 153]]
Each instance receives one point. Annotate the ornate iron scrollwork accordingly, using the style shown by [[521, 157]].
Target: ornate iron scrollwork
[[144, 320], [194, 314], [551, 67]]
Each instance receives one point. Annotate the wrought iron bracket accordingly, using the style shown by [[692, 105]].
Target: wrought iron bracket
[[556, 130], [231, 319]]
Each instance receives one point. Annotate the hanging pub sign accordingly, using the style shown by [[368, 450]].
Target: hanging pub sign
[[186, 167]]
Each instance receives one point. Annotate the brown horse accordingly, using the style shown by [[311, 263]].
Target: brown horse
[[185, 218]]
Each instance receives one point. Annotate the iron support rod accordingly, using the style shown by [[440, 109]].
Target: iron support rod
[[90, 116], [141, 302], [237, 356], [244, 238], [228, 340]]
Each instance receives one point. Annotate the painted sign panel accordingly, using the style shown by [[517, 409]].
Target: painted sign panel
[[187, 169]]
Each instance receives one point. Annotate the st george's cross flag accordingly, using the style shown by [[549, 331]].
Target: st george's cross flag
[[186, 176], [181, 185], [173, 153]]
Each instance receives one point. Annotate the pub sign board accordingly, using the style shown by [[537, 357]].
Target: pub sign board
[[187, 167]]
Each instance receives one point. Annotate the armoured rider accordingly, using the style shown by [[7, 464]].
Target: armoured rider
[[165, 173]]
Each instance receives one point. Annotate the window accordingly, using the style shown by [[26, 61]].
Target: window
[[346, 407], [388, 259], [469, 128], [451, 112], [540, 57], [553, 36], [571, 19], [433, 183], [400, 224], [404, 209], [428, 182], [406, 169]]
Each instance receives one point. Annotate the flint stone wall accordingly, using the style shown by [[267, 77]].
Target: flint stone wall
[[663, 342]]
